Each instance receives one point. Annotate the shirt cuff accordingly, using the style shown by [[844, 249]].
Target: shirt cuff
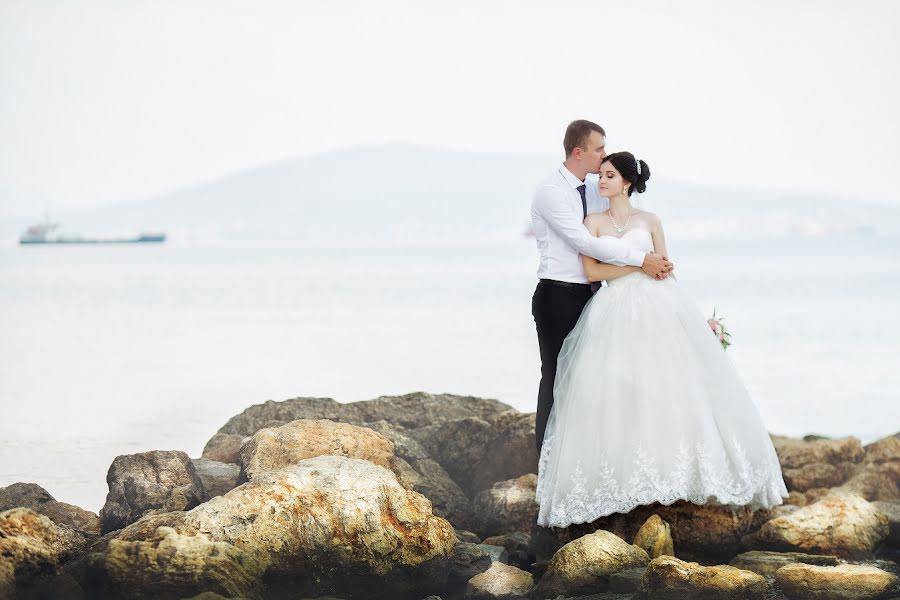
[[636, 258]]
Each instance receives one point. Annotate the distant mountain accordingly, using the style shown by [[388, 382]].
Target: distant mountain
[[400, 192]]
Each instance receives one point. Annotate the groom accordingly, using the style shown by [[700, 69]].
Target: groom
[[558, 210]]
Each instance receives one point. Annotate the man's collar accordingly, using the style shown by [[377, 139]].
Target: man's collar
[[569, 177]]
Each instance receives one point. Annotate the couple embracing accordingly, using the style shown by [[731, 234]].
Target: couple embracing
[[637, 402]]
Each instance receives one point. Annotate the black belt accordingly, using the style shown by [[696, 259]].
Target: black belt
[[567, 284]]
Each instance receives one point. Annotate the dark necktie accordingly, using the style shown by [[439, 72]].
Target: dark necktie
[[581, 188]]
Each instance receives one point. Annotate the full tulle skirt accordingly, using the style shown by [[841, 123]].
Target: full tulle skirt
[[648, 408]]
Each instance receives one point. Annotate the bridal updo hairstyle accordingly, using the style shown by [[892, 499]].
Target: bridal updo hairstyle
[[625, 164]]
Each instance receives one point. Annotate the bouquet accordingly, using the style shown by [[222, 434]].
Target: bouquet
[[718, 328]]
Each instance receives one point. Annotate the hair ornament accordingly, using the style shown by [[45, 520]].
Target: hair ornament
[[638, 163]]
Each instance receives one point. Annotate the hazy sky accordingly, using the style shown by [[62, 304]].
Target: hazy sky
[[105, 101]]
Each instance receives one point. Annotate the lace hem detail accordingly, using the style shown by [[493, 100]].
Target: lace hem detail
[[739, 483]]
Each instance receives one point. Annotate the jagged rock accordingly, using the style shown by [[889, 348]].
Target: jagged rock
[[584, 565], [421, 473], [795, 498], [707, 532], [328, 524], [842, 524], [766, 563], [817, 463], [271, 449], [852, 582], [216, 478], [891, 509], [884, 450], [668, 578], [816, 494], [155, 481], [467, 561], [418, 409], [500, 582], [507, 506], [32, 546], [224, 447], [655, 537], [172, 565], [22, 494], [477, 452], [496, 553]]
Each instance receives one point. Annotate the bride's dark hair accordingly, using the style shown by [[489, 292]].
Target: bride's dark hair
[[627, 166]]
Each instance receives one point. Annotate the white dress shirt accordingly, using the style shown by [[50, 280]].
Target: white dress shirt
[[558, 224]]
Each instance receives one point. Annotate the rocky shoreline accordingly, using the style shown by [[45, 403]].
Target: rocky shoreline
[[432, 496]]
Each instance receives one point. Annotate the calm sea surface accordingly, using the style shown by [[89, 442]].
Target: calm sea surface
[[110, 350]]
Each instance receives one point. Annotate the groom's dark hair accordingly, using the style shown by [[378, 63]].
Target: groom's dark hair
[[577, 134]]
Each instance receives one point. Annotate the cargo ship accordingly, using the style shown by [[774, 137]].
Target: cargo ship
[[45, 233]]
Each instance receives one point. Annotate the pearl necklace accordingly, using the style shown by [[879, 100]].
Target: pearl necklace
[[623, 227]]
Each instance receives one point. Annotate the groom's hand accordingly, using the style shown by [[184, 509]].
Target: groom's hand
[[656, 266]]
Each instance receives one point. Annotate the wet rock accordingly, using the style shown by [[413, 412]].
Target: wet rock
[[172, 565], [655, 537], [496, 553], [841, 524], [216, 478], [467, 536], [766, 563], [518, 548], [584, 565], [148, 482], [477, 452], [224, 447], [271, 449], [507, 506], [500, 582], [853, 582], [668, 578]]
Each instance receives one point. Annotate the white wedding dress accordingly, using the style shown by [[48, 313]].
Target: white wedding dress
[[647, 408]]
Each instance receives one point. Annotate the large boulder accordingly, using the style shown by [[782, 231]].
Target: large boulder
[[328, 524], [479, 451], [841, 524], [766, 563], [891, 509], [507, 506], [33, 546], [850, 582], [584, 566], [807, 464], [170, 565], [706, 532], [418, 409], [467, 561], [668, 578], [418, 471], [500, 582], [148, 482], [271, 449]]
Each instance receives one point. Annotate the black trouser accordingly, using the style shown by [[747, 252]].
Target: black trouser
[[555, 307]]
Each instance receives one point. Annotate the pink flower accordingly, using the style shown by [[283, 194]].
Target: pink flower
[[721, 337], [714, 325]]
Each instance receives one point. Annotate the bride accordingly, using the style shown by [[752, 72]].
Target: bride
[[647, 407]]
